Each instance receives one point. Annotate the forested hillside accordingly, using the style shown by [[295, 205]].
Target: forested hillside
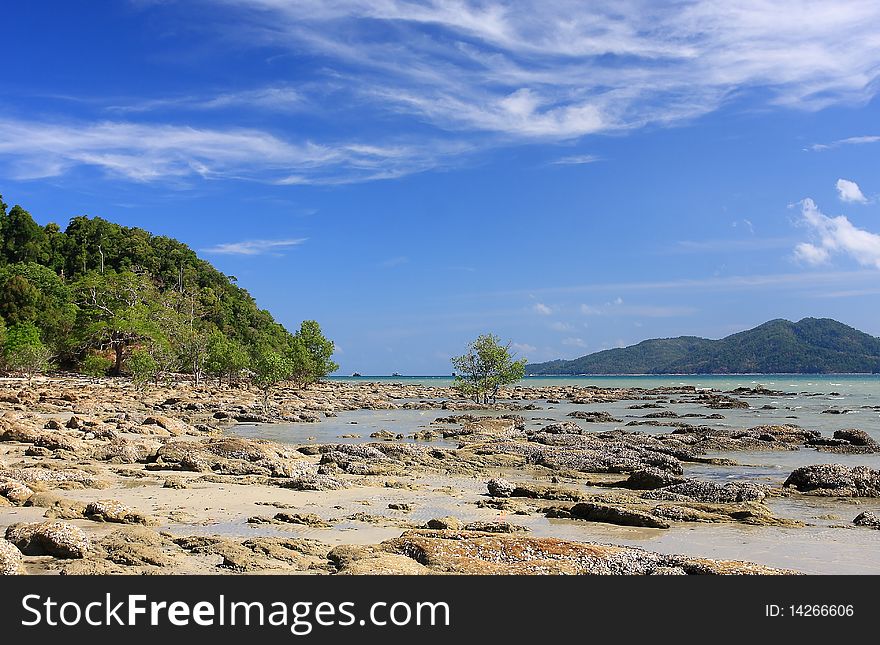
[[100, 297], [810, 346]]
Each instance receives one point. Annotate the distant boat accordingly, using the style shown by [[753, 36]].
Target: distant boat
[[396, 374], [356, 374]]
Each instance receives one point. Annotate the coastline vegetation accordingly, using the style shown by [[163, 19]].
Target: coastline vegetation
[[104, 299]]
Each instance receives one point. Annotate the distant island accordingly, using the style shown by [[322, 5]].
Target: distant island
[[809, 346]]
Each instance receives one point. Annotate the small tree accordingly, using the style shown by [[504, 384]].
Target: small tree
[[24, 351], [96, 365], [142, 366], [225, 357], [311, 354], [270, 369], [486, 367]]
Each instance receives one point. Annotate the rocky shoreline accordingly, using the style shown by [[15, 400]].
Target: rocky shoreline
[[98, 477]]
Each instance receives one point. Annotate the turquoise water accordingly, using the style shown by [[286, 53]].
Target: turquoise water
[[851, 384]]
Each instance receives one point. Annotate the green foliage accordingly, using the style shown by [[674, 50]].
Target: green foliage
[[142, 366], [95, 365], [100, 286], [485, 368], [810, 346], [225, 357], [310, 354], [24, 351], [270, 369]]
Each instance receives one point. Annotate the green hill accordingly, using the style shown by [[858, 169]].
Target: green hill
[[809, 346], [96, 286]]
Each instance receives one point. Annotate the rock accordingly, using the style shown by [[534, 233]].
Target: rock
[[306, 519], [137, 546], [651, 478], [500, 488], [175, 482], [15, 491], [610, 514], [175, 427], [594, 417], [74, 423], [703, 491], [469, 552], [856, 437], [868, 518], [400, 507], [564, 427], [384, 435], [55, 538], [447, 522], [835, 480], [11, 562], [113, 511], [228, 456], [494, 527], [351, 559]]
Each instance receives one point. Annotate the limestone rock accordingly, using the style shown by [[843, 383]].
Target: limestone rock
[[55, 538]]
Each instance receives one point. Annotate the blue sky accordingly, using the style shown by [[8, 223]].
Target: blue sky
[[571, 176]]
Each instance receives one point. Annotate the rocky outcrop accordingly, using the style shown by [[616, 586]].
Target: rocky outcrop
[[705, 491], [10, 559], [55, 538], [835, 480], [110, 510], [868, 518], [593, 417], [500, 488], [610, 514], [469, 552], [228, 456], [651, 478]]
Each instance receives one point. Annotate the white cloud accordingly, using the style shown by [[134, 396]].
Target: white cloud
[[394, 262], [523, 348], [574, 342], [533, 69], [835, 235], [576, 160], [560, 326], [279, 98], [254, 247], [849, 191], [849, 141], [589, 310], [542, 309], [618, 301], [151, 152], [810, 254]]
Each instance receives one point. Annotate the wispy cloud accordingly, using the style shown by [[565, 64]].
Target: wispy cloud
[[541, 309], [394, 262], [576, 160], [279, 98], [722, 245], [574, 342], [849, 191], [835, 235], [618, 308], [151, 152], [561, 70], [849, 141], [254, 247]]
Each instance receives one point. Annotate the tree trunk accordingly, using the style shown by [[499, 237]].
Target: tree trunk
[[117, 367]]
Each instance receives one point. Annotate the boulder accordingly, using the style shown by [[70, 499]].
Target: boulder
[[856, 437], [651, 478], [703, 491], [113, 511], [10, 559], [500, 488], [447, 522], [869, 519], [55, 538], [835, 480], [15, 491], [612, 514]]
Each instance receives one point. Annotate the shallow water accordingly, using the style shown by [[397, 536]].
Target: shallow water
[[829, 544]]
